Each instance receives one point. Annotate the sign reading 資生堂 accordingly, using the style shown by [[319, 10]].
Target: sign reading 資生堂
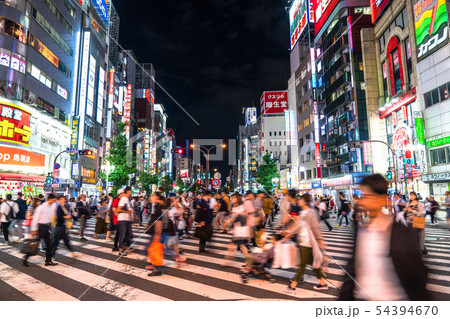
[[14, 124]]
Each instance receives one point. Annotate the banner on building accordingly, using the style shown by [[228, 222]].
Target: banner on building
[[367, 153], [431, 25], [15, 124], [318, 161], [274, 102]]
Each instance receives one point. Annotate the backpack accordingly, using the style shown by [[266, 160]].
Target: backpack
[[10, 215]]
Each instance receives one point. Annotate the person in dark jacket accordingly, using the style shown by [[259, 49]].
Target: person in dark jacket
[[84, 213], [204, 217], [386, 263], [60, 230], [20, 216]]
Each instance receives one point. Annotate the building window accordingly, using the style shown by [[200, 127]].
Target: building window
[[279, 133], [270, 133], [270, 143], [308, 174], [437, 95], [408, 59], [385, 81], [306, 105], [307, 122], [440, 156], [300, 126]]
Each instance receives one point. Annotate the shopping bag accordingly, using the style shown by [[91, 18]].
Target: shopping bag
[[181, 225], [286, 255], [241, 232], [69, 223], [156, 254], [30, 246], [27, 223], [418, 222]]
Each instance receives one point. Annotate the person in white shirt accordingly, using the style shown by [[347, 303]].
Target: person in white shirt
[[124, 218], [41, 227], [8, 211]]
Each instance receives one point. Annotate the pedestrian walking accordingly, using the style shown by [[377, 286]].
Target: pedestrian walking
[[19, 218], [83, 214], [310, 240], [124, 218], [386, 263], [41, 227], [434, 206], [204, 217], [60, 231], [100, 225], [323, 213], [344, 210], [415, 219], [8, 211]]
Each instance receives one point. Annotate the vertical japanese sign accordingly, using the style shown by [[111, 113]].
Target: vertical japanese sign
[[293, 127], [420, 134], [75, 132], [367, 153], [14, 124], [318, 161], [127, 110], [111, 88], [287, 123], [83, 85]]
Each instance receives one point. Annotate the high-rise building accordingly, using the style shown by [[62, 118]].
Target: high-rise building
[[341, 91]]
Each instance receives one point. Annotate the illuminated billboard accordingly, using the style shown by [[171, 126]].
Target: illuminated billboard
[[101, 6], [298, 19], [274, 102], [431, 25], [322, 10], [376, 7]]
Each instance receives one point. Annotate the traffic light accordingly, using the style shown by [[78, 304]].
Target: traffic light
[[48, 180], [180, 151], [85, 152], [388, 175], [199, 182]]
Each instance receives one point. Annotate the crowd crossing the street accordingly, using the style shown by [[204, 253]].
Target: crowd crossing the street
[[215, 247]]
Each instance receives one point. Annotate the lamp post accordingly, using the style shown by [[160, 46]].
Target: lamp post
[[205, 150]]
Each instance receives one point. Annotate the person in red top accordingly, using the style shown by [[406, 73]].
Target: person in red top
[[115, 213]]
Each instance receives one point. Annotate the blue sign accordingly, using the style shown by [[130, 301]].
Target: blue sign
[[416, 167], [409, 161], [56, 166], [316, 185], [102, 9], [55, 180]]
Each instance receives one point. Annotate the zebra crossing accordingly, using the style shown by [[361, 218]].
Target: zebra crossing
[[99, 274]]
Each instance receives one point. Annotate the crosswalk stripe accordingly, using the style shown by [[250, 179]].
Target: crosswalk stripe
[[231, 277], [33, 288]]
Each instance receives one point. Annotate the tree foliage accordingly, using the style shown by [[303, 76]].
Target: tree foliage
[[267, 171], [166, 182], [148, 179], [118, 159], [180, 183]]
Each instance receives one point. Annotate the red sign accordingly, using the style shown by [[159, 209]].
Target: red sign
[[127, 110], [14, 124], [324, 148], [21, 177], [111, 81], [322, 10], [274, 102], [396, 104], [319, 172], [377, 6], [15, 156]]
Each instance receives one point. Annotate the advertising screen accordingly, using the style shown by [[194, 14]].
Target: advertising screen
[[431, 25], [377, 6], [298, 19], [274, 102]]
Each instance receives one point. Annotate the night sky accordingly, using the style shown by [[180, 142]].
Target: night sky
[[213, 56]]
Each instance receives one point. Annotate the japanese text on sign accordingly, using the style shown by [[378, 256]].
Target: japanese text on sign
[[14, 124]]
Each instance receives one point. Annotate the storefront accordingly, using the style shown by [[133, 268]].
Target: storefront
[[439, 184], [29, 141], [314, 188]]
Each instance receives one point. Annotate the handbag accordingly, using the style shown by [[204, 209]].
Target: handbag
[[30, 246], [156, 254], [203, 232], [241, 232], [27, 222], [418, 222], [286, 255], [69, 223]]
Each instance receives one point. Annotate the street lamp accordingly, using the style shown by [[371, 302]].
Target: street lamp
[[205, 150]]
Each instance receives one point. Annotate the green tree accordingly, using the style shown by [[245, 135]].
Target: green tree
[[118, 159], [148, 179], [166, 182], [180, 183], [267, 171]]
